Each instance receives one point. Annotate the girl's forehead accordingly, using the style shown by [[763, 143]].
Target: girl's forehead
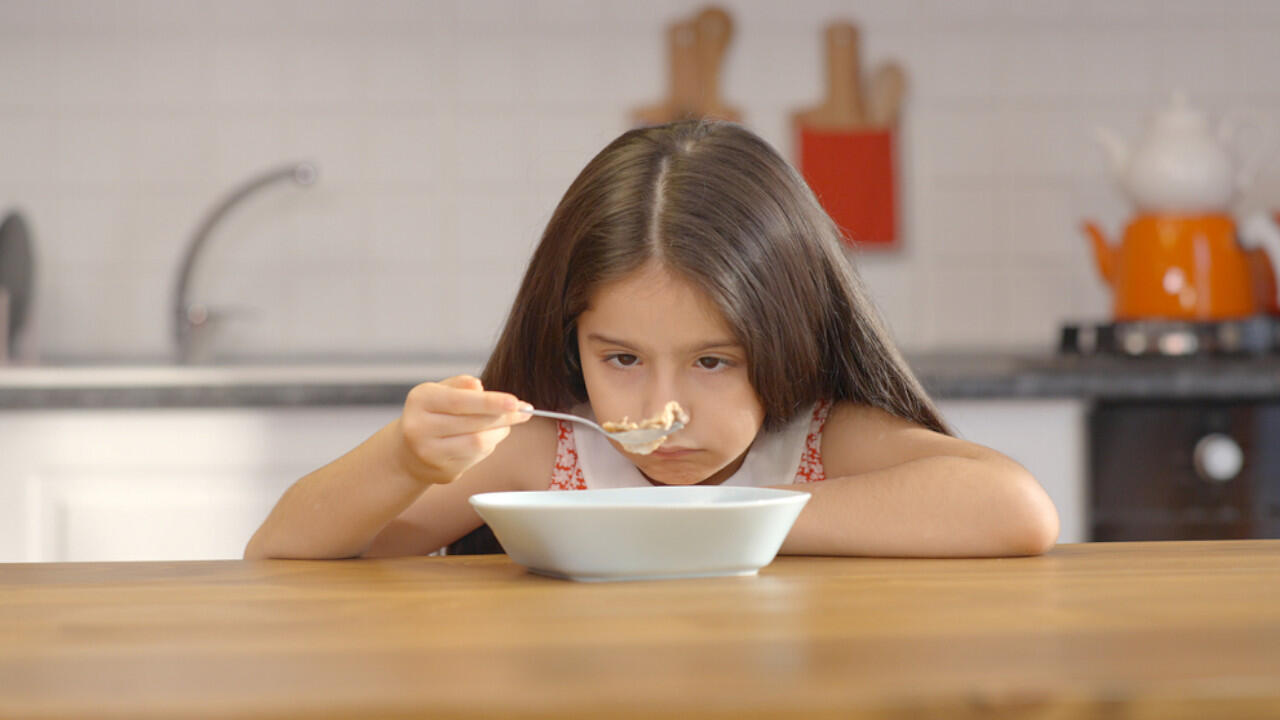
[[654, 298], [651, 284]]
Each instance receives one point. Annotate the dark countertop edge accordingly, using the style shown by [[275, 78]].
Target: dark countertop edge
[[946, 376], [1095, 389], [1042, 375], [300, 395], [227, 386]]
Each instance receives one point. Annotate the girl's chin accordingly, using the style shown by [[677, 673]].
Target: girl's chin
[[675, 479], [675, 482]]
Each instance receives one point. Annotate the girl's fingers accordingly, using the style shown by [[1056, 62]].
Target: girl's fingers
[[471, 446], [454, 425], [462, 395], [463, 382]]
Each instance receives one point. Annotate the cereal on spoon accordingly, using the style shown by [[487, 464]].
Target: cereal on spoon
[[670, 414]]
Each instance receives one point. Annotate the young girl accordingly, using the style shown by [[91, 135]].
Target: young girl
[[687, 262]]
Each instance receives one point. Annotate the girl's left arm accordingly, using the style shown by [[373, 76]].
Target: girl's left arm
[[894, 488]]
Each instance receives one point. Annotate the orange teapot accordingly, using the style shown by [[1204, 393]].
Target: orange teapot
[[1183, 268], [1262, 231], [1180, 258]]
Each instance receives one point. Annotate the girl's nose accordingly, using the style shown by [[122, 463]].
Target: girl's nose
[[663, 388]]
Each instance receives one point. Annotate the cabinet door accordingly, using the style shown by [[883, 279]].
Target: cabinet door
[[159, 484], [151, 513], [1046, 436]]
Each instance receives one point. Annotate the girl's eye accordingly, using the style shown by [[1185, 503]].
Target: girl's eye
[[711, 363], [622, 359]]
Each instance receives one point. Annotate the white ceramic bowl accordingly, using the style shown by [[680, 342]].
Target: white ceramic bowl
[[642, 533]]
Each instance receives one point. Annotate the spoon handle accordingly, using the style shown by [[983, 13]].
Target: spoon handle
[[562, 416]]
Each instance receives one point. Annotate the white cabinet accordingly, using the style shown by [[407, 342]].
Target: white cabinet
[[158, 484], [1047, 436], [194, 483]]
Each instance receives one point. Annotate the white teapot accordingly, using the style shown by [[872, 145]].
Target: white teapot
[[1181, 166]]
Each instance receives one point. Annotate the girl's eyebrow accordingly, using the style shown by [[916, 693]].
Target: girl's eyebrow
[[605, 339]]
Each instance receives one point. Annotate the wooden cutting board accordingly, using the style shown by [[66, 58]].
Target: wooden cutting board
[[713, 31], [845, 146], [696, 49]]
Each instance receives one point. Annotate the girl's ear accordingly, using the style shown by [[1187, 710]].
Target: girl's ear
[[571, 356], [573, 362]]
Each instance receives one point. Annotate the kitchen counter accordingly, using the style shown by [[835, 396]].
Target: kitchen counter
[[1044, 375], [1169, 630], [318, 384], [945, 375]]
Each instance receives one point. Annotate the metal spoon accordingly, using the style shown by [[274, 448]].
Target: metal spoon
[[628, 438]]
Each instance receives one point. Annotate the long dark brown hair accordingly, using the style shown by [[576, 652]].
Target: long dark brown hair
[[715, 204]]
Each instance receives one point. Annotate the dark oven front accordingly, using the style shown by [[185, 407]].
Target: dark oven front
[[1187, 470]]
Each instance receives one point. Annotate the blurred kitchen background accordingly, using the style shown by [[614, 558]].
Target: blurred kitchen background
[[445, 132]]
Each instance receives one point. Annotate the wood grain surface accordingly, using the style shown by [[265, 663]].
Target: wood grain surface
[[1108, 630]]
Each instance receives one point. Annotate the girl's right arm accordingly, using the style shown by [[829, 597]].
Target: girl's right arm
[[445, 429]]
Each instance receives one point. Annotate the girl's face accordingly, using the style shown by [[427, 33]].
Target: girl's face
[[650, 338]]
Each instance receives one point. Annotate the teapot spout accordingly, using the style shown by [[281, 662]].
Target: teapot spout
[[1115, 148], [1262, 232], [1103, 252]]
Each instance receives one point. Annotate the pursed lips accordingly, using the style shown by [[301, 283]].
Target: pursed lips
[[666, 450]]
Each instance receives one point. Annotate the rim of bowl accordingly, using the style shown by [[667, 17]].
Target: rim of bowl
[[522, 499]]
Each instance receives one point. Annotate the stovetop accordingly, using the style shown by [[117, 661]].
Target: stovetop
[[1254, 335]]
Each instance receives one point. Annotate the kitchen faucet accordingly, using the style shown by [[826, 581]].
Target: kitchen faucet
[[191, 321]]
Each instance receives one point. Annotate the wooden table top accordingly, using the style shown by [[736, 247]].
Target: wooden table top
[[1135, 629]]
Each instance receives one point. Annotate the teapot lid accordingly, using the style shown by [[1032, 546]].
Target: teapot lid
[[1180, 114]]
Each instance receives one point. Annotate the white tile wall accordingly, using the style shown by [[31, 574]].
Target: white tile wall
[[446, 131]]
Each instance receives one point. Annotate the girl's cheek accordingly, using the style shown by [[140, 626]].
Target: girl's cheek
[[612, 397]]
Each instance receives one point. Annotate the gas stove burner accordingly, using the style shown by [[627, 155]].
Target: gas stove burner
[[1254, 335]]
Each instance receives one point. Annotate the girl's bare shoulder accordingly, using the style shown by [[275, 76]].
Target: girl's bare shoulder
[[525, 459], [859, 438]]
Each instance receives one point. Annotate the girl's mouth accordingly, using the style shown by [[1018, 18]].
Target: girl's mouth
[[671, 452]]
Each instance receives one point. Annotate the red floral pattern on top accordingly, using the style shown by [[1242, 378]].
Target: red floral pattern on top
[[567, 475], [811, 469]]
